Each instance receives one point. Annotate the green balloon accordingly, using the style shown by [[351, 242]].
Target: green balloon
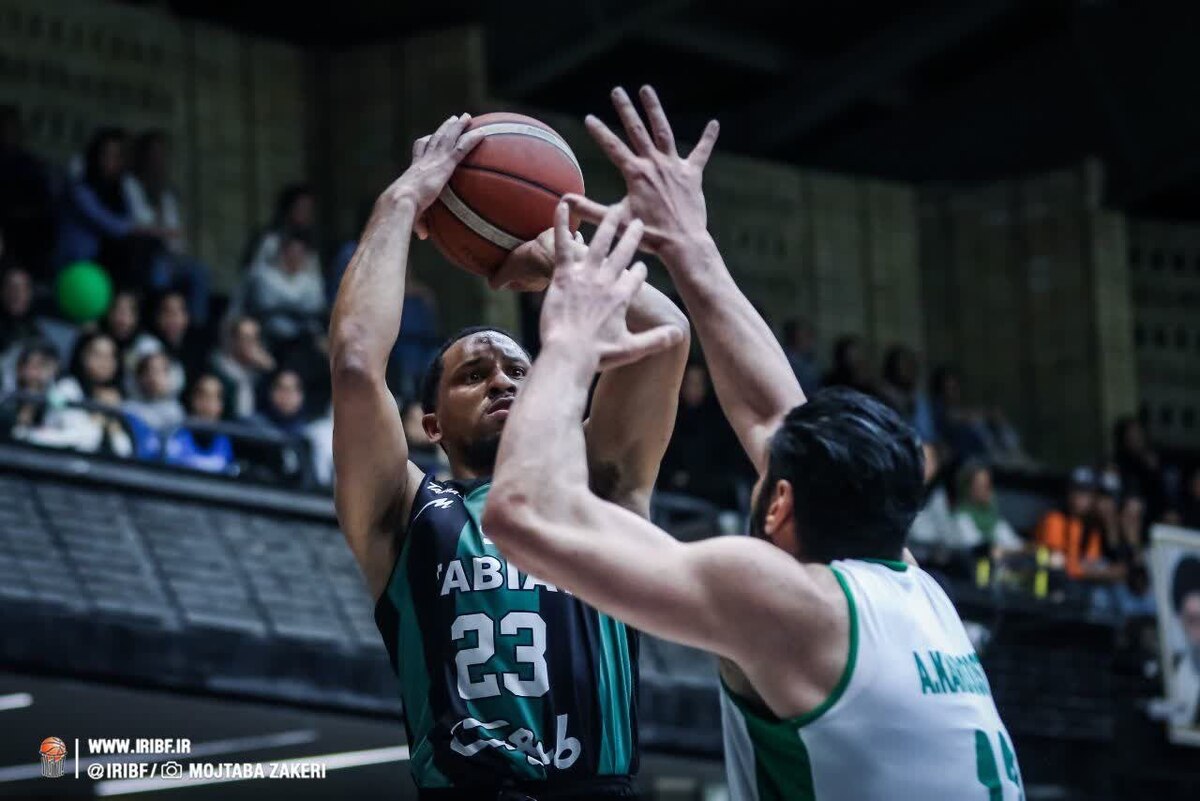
[[84, 291]]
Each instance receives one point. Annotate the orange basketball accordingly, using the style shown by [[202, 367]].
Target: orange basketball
[[54, 747], [503, 193]]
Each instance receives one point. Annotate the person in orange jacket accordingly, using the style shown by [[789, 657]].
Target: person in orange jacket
[[1064, 532]]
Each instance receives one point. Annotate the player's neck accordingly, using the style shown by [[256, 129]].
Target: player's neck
[[464, 472]]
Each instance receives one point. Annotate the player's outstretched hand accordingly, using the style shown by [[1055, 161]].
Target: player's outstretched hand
[[529, 267], [591, 291], [663, 188], [434, 159]]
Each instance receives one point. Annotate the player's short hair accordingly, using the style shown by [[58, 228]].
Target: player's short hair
[[433, 373], [856, 470], [1185, 582]]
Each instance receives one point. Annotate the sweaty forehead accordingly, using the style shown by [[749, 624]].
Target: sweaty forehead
[[483, 345]]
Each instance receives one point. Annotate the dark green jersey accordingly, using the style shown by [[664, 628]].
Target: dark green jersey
[[502, 675]]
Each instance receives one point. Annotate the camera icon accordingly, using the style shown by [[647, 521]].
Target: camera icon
[[171, 770]]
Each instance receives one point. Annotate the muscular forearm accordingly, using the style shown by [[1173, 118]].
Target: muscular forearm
[[366, 314], [751, 375], [650, 308], [542, 464]]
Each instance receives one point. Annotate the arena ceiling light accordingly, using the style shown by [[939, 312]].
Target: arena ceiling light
[[15, 701]]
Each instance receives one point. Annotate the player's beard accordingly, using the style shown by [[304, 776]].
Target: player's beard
[[758, 518], [479, 456]]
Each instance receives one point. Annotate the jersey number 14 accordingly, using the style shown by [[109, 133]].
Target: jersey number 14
[[988, 770]]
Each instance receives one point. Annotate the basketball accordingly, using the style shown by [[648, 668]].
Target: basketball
[[503, 193]]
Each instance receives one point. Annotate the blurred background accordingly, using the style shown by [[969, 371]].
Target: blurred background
[[987, 214]]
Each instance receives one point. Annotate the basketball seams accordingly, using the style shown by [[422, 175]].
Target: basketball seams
[[509, 176], [533, 132], [525, 146], [476, 223]]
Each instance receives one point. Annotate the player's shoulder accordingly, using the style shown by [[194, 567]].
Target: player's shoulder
[[760, 573]]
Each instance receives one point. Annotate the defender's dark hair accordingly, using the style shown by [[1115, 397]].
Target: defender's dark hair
[[856, 470], [433, 373], [1185, 582]]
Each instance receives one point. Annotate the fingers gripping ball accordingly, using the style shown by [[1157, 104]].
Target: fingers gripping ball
[[503, 193], [84, 291]]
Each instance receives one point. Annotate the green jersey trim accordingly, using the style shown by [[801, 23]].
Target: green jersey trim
[[893, 564], [414, 681], [851, 659], [839, 689]]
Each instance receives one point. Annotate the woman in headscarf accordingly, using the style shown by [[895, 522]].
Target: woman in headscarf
[[981, 527], [96, 222]]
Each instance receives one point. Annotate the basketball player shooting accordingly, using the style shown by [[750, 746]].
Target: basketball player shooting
[[846, 672], [511, 688]]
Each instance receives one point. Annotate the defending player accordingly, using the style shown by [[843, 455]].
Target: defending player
[[847, 674]]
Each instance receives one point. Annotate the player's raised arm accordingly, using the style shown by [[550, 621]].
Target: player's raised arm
[[633, 408], [372, 485], [543, 516], [751, 374]]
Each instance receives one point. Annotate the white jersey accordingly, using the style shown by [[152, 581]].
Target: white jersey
[[911, 719]]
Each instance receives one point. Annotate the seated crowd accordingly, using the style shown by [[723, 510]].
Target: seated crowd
[[170, 372], [173, 373]]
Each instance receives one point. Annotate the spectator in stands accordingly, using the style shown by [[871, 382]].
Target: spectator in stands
[[901, 390], [1106, 513], [850, 366], [295, 213], [1185, 602], [1134, 596], [94, 364], [17, 322], [981, 527], [153, 204], [418, 341], [96, 223], [969, 432], [1140, 464], [155, 401], [122, 321], [421, 451], [194, 447], [37, 366], [241, 363], [702, 458], [288, 296], [174, 336], [934, 534], [800, 346], [1067, 533], [286, 293], [92, 377], [281, 408], [956, 426], [26, 204], [1116, 556]]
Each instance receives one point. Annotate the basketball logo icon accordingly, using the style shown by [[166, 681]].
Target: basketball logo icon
[[54, 753]]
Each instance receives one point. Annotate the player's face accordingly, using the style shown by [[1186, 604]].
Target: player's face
[[481, 377]]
